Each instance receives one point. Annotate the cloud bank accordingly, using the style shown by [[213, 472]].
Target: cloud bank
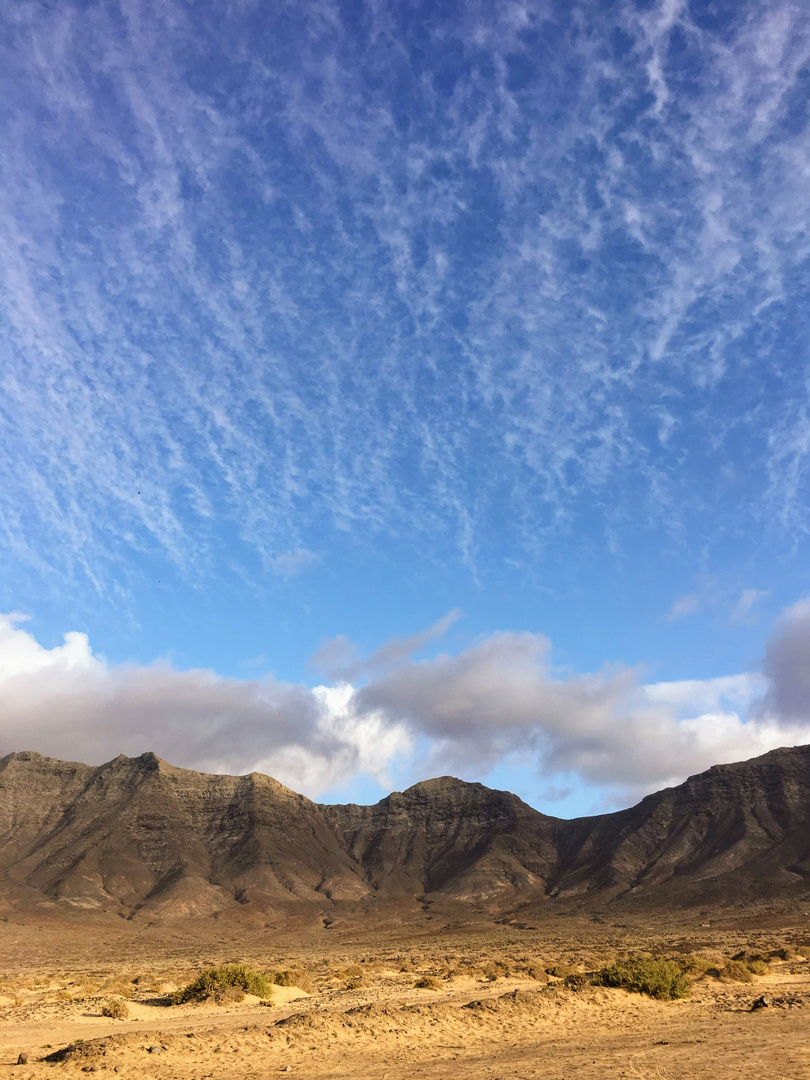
[[466, 713]]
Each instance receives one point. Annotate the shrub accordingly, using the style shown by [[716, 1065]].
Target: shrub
[[758, 967], [354, 971], [659, 978], [561, 971], [115, 1008], [428, 982], [228, 983], [784, 952], [736, 971], [693, 964], [295, 977], [537, 972]]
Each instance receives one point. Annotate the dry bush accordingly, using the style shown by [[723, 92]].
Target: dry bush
[[783, 952], [64, 995], [578, 980], [693, 964], [537, 972], [735, 971], [749, 956], [495, 969], [352, 971], [115, 1008], [427, 982], [295, 977], [561, 971], [758, 967]]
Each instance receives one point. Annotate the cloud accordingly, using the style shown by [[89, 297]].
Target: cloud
[[338, 658], [290, 563], [742, 614], [499, 700], [787, 667], [398, 281], [503, 697], [67, 702], [683, 606]]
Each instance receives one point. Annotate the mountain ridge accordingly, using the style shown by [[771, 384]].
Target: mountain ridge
[[138, 837]]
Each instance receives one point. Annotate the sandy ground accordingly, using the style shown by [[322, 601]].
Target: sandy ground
[[366, 1018]]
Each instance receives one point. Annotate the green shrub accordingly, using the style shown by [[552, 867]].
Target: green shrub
[[660, 978], [228, 983], [758, 967]]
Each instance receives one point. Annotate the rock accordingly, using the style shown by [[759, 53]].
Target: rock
[[761, 1003], [154, 1049], [23, 1058]]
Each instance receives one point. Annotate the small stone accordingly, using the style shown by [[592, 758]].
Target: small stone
[[154, 1049], [23, 1058], [761, 1003]]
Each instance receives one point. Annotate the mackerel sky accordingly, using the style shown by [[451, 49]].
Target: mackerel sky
[[393, 388]]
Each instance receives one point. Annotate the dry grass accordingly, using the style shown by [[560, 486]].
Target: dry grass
[[295, 977], [116, 1009], [735, 971]]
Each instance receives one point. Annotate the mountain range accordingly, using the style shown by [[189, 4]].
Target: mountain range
[[140, 838]]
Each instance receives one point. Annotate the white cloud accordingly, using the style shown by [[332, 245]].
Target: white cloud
[[503, 696], [497, 701], [338, 658], [66, 702], [742, 613], [290, 563], [683, 606], [301, 305]]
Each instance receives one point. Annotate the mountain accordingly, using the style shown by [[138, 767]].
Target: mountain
[[138, 837]]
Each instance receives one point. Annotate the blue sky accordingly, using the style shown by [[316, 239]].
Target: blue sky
[[322, 322]]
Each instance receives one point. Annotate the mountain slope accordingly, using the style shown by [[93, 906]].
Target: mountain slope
[[138, 832], [137, 836]]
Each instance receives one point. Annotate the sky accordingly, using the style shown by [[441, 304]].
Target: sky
[[397, 389]]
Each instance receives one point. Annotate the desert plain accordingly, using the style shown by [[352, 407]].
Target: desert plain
[[482, 1001], [449, 931]]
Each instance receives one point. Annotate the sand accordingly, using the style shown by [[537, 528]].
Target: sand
[[365, 1017]]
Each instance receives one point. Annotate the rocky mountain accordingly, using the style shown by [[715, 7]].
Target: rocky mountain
[[140, 838]]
